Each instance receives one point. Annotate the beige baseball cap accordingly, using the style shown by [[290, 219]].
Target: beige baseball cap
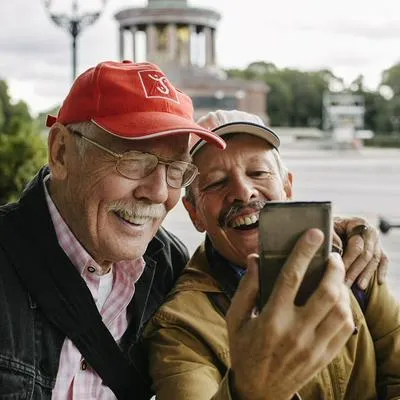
[[223, 122]]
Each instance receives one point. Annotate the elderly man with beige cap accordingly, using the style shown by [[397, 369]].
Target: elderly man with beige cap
[[83, 263], [206, 341]]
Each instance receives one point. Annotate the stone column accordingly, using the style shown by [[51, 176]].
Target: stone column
[[213, 47], [183, 45], [192, 30], [151, 45], [121, 43], [208, 45], [133, 30], [172, 42]]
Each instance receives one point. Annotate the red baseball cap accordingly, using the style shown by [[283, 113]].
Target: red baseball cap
[[132, 101]]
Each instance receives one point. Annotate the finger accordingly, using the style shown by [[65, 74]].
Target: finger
[[383, 268], [339, 320], [329, 291], [354, 247], [244, 300], [367, 273], [296, 265], [337, 342], [344, 226], [337, 244], [371, 240], [369, 256], [339, 225]]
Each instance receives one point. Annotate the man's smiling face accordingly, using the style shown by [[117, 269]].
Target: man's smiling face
[[232, 187], [112, 216]]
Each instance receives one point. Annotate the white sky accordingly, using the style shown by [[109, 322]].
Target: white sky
[[347, 36]]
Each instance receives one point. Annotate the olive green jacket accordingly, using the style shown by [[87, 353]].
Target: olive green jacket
[[189, 354]]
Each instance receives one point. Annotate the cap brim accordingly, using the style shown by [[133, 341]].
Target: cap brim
[[242, 127], [148, 125]]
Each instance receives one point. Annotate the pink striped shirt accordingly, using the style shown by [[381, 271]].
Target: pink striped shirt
[[112, 293]]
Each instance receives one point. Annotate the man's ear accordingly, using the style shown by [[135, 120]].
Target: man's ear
[[287, 186], [57, 145], [191, 209]]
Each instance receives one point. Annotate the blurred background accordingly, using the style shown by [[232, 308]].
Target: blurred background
[[325, 76]]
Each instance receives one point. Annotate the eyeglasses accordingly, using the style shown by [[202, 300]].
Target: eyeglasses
[[136, 165]]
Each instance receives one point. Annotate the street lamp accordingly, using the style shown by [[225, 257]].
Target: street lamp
[[74, 23]]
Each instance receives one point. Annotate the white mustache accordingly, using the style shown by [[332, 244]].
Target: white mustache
[[138, 209]]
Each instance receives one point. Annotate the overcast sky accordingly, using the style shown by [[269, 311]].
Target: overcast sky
[[347, 36]]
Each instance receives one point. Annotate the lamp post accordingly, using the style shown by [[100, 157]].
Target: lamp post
[[74, 23]]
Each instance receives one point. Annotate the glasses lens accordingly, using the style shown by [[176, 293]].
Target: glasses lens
[[180, 174], [136, 165]]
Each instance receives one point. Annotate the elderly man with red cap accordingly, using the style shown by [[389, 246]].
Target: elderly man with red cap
[[84, 263], [73, 248], [209, 340]]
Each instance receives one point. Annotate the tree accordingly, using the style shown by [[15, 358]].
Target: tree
[[13, 117], [391, 78], [261, 68], [357, 86], [22, 148], [280, 100], [295, 97], [377, 113], [21, 156]]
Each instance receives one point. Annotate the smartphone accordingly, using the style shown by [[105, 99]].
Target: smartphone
[[281, 223]]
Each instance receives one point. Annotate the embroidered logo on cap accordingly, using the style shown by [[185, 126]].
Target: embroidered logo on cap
[[156, 85]]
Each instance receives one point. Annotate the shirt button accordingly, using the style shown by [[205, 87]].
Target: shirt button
[[91, 269], [83, 365]]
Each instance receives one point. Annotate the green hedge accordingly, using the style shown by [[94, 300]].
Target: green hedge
[[383, 141]]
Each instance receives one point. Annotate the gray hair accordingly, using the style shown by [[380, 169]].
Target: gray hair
[[86, 128], [282, 170]]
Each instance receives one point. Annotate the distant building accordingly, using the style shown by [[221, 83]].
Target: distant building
[[181, 39], [343, 116]]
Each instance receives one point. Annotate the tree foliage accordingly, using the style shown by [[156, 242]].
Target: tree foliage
[[22, 147], [391, 78], [295, 97]]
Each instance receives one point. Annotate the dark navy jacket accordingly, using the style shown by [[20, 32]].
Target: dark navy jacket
[[30, 344]]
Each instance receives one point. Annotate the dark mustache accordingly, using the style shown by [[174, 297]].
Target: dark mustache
[[236, 208]]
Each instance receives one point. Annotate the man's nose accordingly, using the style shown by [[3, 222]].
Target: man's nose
[[154, 187], [241, 189]]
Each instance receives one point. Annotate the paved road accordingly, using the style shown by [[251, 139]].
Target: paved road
[[358, 183]]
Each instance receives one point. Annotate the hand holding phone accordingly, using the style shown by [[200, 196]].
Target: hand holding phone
[[280, 226]]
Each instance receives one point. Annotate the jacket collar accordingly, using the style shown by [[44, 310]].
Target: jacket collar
[[209, 272], [224, 272]]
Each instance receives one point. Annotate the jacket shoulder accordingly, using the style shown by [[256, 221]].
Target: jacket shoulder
[[172, 243], [189, 300]]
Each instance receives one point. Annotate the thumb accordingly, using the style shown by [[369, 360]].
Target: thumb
[[245, 298]]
